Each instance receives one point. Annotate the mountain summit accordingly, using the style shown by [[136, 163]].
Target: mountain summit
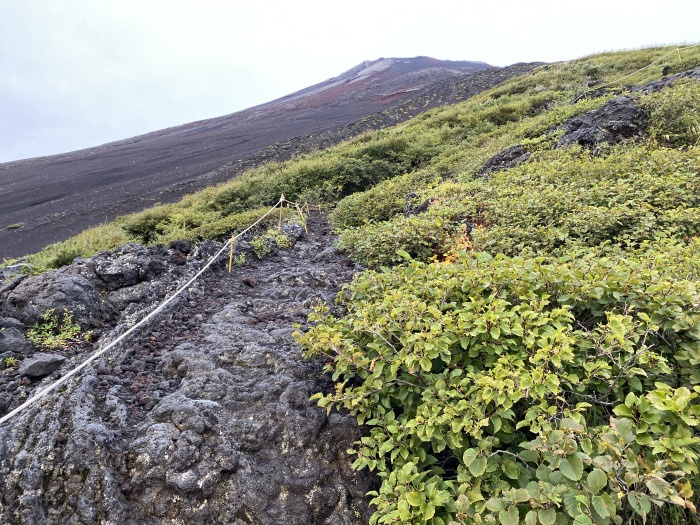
[[384, 79]]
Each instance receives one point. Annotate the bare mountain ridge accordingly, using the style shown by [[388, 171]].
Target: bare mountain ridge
[[58, 196]]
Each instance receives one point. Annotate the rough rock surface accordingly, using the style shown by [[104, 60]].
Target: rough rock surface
[[617, 120], [40, 365], [58, 289], [203, 418], [13, 342], [508, 158]]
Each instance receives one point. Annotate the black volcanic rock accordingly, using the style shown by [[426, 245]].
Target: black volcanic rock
[[57, 290], [617, 120], [203, 417], [508, 158], [40, 365]]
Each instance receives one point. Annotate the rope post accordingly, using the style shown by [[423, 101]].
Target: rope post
[[230, 253], [301, 218], [279, 226]]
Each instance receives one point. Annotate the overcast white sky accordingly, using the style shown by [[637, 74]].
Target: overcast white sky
[[78, 73]]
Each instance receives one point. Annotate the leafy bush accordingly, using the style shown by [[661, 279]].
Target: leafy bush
[[85, 244], [502, 390], [561, 199], [421, 236], [57, 331], [143, 226], [381, 202], [674, 120]]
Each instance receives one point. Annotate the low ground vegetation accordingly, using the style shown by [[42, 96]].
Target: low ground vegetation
[[526, 350]]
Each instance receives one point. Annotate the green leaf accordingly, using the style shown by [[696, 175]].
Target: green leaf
[[510, 516], [658, 487], [416, 498], [529, 455], [572, 467], [599, 506], [519, 496], [496, 504], [597, 480], [469, 456], [582, 519], [547, 517], [531, 518], [635, 383], [510, 469], [428, 510], [403, 254], [624, 427], [623, 411], [643, 439], [478, 466], [639, 502]]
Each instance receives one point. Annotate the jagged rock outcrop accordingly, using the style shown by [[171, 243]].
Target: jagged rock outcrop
[[617, 120], [204, 417], [508, 158], [56, 290]]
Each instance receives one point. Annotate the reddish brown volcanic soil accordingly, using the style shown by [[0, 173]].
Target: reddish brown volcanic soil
[[58, 196]]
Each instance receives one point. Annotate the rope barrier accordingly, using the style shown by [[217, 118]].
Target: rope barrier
[[601, 86], [143, 321]]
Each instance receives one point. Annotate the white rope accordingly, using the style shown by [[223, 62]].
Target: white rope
[[143, 321], [677, 50]]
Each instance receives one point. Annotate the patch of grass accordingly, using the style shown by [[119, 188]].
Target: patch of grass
[[57, 330], [85, 244]]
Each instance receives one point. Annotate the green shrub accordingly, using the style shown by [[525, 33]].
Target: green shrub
[[56, 331], [421, 236], [381, 202], [85, 244], [508, 390], [143, 226], [560, 199], [673, 114]]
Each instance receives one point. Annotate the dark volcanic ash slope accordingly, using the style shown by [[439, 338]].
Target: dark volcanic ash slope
[[204, 418], [58, 196]]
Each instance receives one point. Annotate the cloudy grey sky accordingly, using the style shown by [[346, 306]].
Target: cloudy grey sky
[[78, 73]]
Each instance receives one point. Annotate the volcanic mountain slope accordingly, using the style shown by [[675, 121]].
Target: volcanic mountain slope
[[57, 196]]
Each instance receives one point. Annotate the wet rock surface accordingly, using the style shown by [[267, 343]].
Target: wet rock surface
[[203, 417]]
